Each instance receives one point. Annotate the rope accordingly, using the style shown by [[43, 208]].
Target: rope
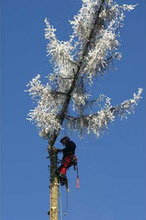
[[78, 181], [66, 208], [65, 212]]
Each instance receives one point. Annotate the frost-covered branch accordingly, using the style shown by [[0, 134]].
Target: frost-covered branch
[[46, 114], [98, 122], [60, 51]]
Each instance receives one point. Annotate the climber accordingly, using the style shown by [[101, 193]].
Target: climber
[[68, 159]]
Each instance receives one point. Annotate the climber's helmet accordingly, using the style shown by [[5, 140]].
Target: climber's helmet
[[64, 139]]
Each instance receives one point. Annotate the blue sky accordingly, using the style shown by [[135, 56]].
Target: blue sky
[[112, 168]]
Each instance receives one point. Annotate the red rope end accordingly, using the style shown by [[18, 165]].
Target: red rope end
[[78, 183]]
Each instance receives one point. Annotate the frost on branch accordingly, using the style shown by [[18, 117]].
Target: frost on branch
[[60, 52], [89, 52], [98, 122], [83, 21], [128, 105], [49, 102], [97, 25]]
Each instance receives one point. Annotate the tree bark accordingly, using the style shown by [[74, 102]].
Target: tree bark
[[53, 184]]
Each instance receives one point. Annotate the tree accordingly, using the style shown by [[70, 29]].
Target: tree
[[66, 100]]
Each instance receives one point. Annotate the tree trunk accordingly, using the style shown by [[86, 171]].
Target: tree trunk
[[53, 184], [52, 150]]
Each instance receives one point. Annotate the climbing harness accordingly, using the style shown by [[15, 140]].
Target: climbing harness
[[66, 163], [64, 181]]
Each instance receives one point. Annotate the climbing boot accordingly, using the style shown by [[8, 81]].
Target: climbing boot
[[63, 179]]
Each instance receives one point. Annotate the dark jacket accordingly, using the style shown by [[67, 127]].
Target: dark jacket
[[69, 149]]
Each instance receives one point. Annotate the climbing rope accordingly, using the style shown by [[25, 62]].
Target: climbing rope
[[66, 208], [60, 203], [78, 181]]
